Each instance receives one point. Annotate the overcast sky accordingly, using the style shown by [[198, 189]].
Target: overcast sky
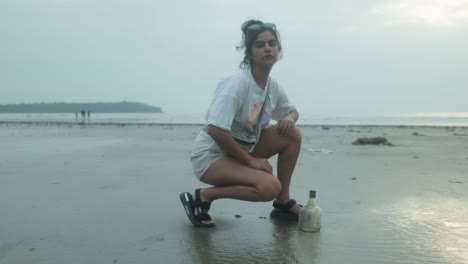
[[341, 57]]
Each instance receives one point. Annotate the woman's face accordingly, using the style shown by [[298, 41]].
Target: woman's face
[[265, 49]]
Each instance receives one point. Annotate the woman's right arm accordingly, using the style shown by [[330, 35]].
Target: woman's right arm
[[227, 143]]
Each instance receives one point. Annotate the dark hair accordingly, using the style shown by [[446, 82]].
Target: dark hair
[[248, 38]]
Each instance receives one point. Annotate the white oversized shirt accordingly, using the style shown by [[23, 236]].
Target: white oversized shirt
[[238, 100]]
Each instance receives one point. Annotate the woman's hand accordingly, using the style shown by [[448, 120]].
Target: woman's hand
[[285, 124], [260, 164]]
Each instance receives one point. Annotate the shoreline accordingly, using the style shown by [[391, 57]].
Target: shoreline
[[123, 124]]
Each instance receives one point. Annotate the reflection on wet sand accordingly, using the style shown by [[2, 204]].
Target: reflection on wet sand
[[296, 246], [274, 241], [433, 229], [283, 240], [430, 229]]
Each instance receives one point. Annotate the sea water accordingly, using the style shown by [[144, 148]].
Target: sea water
[[404, 119]]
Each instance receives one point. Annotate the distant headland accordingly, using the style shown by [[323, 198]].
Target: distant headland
[[119, 107]]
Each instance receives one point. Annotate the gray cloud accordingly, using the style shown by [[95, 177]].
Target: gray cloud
[[340, 57]]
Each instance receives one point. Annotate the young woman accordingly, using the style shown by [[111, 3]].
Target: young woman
[[231, 152]]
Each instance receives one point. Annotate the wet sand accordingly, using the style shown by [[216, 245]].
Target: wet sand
[[109, 194]]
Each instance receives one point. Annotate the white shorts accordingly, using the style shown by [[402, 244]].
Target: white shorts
[[205, 151]]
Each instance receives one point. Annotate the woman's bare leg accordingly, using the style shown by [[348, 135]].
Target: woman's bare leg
[[288, 148], [232, 179]]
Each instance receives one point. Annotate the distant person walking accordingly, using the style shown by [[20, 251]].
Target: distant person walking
[[89, 114], [231, 152]]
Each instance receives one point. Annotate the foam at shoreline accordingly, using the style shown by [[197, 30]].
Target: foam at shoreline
[[123, 124], [415, 119]]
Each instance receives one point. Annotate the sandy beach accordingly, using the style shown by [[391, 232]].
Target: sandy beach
[[73, 193]]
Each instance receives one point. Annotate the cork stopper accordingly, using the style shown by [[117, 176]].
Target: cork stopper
[[312, 194]]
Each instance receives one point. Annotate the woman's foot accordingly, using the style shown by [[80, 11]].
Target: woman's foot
[[202, 199], [290, 205], [286, 210], [197, 209]]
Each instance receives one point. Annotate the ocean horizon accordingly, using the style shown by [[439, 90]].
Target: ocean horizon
[[452, 119]]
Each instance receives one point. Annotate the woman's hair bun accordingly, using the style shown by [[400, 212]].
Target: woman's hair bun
[[248, 23]]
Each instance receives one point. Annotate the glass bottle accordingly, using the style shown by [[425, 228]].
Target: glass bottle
[[310, 216]]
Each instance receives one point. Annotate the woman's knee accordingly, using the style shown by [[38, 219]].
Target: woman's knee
[[269, 189], [295, 134]]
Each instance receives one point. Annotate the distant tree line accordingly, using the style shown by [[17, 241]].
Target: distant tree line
[[120, 107]]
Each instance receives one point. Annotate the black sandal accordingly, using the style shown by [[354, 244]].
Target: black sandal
[[190, 205], [283, 211]]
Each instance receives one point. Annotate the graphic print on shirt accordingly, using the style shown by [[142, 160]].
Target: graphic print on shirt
[[252, 119]]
